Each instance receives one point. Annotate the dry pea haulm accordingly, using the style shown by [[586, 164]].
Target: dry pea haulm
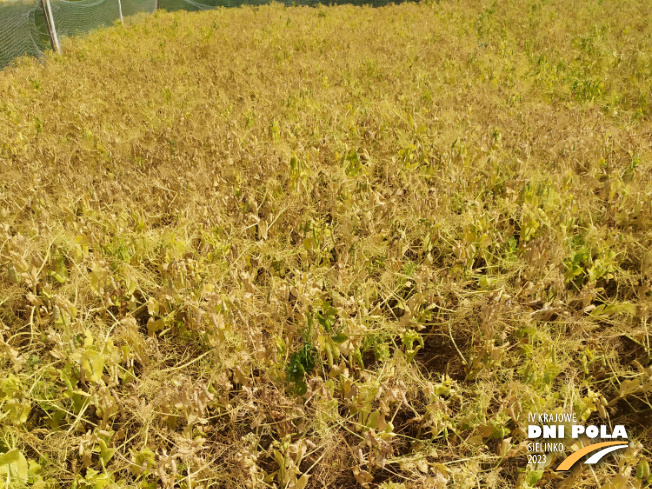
[[338, 246]]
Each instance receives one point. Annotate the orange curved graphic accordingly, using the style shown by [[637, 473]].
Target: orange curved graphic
[[571, 459]]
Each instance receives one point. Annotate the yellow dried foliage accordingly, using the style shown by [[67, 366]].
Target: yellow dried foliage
[[327, 247]]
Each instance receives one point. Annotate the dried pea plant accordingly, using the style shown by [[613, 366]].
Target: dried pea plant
[[327, 247]]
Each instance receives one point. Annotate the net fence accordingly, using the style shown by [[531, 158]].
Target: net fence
[[22, 31], [74, 18], [23, 26], [132, 7]]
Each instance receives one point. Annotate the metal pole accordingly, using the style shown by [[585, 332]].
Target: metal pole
[[120, 10], [52, 30], [47, 24]]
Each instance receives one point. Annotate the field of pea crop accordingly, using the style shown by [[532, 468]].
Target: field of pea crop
[[334, 247]]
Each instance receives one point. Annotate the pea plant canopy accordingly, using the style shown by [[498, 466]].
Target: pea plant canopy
[[332, 246]]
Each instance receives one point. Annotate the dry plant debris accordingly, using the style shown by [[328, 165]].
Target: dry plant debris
[[327, 247]]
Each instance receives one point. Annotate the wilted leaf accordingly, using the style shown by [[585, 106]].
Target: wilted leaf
[[534, 476], [13, 469], [363, 477]]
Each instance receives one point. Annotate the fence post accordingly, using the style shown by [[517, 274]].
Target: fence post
[[49, 23], [120, 10]]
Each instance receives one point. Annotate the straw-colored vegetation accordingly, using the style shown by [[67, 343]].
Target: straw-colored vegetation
[[328, 247]]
